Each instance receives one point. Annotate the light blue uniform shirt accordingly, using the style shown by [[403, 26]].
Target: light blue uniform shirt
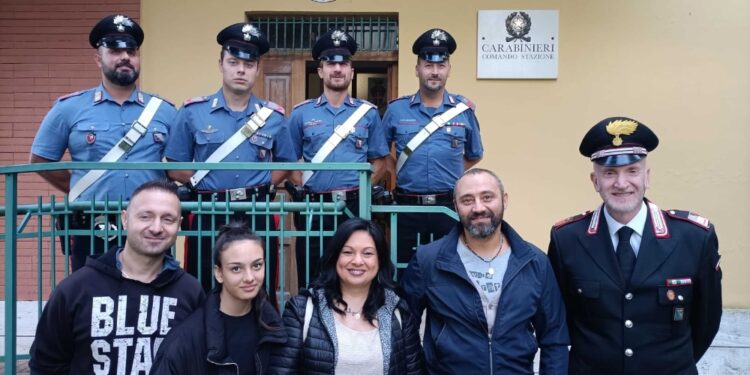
[[89, 123], [438, 162], [204, 123], [312, 123]]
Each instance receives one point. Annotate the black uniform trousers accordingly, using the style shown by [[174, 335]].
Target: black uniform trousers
[[80, 246], [204, 259], [416, 229], [312, 222]]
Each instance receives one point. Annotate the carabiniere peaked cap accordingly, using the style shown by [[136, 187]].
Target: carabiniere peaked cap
[[335, 45], [116, 31], [434, 45], [243, 41], [618, 141]]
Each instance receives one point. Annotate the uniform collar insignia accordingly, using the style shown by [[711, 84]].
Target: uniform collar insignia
[[451, 99], [141, 99], [594, 223], [438, 35], [214, 103], [121, 22], [621, 127], [98, 96], [338, 36], [658, 221], [249, 31]]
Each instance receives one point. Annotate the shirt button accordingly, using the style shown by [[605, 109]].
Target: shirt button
[[237, 157], [579, 291], [628, 324], [236, 176], [628, 352], [127, 175], [680, 298], [629, 296]]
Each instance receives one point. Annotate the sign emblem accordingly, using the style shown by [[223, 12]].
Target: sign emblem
[[518, 25], [438, 35], [338, 36], [621, 127]]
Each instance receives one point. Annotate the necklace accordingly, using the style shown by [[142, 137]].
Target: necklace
[[490, 270], [356, 314]]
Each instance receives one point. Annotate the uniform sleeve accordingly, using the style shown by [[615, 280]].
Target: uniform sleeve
[[550, 325], [181, 138], [52, 349], [412, 288], [51, 140], [555, 259], [387, 124], [295, 132], [285, 359], [474, 149], [377, 145], [707, 303], [283, 150]]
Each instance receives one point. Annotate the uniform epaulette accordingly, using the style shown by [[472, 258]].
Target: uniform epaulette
[[366, 102], [571, 219], [690, 217], [401, 98], [72, 94], [274, 106], [303, 103], [195, 99], [160, 97], [467, 102]]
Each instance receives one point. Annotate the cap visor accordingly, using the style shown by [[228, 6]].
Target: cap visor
[[618, 160], [241, 53], [433, 57], [118, 42]]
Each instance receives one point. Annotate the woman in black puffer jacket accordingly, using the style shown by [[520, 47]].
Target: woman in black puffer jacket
[[355, 321]]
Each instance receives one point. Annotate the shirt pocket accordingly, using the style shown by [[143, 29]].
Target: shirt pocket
[[452, 137], [358, 139], [405, 133], [674, 305], [91, 141], [207, 143], [586, 294], [262, 145], [157, 134]]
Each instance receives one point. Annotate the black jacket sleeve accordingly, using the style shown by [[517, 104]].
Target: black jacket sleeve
[[52, 350], [707, 304], [285, 359], [412, 344]]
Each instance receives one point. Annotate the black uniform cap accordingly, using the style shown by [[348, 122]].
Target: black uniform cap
[[335, 45], [434, 45], [618, 141], [116, 31], [243, 41]]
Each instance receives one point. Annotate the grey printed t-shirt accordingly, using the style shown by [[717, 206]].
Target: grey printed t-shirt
[[488, 285]]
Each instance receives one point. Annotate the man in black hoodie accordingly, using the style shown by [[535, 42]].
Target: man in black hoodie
[[111, 316]]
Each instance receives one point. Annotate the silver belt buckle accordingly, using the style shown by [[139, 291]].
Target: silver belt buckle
[[338, 195], [428, 199], [237, 194]]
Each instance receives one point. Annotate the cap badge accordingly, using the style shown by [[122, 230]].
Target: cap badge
[[621, 127], [437, 36], [250, 31], [338, 36], [121, 22]]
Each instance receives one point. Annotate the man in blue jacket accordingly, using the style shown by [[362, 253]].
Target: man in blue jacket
[[491, 297]]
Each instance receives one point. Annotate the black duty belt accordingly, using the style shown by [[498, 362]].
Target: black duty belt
[[334, 195], [240, 194], [407, 198]]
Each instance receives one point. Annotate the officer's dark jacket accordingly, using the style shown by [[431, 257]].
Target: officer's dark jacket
[[530, 313], [667, 317], [197, 346], [315, 353]]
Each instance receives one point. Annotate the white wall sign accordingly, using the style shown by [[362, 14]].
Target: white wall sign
[[517, 44]]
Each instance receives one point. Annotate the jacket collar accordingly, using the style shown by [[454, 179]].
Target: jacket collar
[[100, 95], [217, 101], [107, 263], [448, 259], [449, 100], [322, 100]]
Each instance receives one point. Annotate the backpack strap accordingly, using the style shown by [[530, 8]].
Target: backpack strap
[[308, 318]]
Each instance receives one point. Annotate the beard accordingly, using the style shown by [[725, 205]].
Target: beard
[[481, 231], [122, 78], [343, 86]]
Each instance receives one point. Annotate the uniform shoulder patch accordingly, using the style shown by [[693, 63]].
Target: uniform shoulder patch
[[195, 99], [300, 104], [466, 101], [274, 106], [368, 103], [72, 94], [571, 219], [690, 217], [161, 97], [401, 98]]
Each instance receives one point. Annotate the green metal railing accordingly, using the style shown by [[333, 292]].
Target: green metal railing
[[58, 209]]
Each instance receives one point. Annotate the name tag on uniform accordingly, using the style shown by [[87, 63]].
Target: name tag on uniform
[[680, 281], [678, 314], [454, 142], [359, 143]]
